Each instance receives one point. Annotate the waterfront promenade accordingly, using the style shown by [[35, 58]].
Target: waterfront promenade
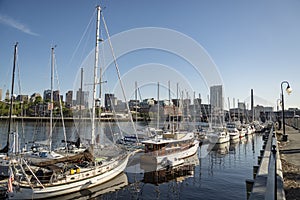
[[290, 158]]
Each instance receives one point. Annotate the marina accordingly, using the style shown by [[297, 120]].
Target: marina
[[146, 117], [213, 172]]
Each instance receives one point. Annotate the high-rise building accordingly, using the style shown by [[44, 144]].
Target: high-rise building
[[216, 97], [7, 98], [69, 98], [82, 98], [56, 96], [47, 95]]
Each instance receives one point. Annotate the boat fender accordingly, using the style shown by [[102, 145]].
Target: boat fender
[[53, 178], [72, 171]]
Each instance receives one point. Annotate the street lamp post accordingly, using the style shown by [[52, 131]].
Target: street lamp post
[[288, 90]]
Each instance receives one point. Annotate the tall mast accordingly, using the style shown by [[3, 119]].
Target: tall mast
[[157, 126], [169, 87], [6, 148], [12, 91], [194, 102], [229, 109], [95, 74], [136, 88], [51, 98], [80, 101]]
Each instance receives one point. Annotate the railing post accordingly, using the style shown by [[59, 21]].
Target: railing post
[[274, 153]]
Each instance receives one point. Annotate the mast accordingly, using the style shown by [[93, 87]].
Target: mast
[[80, 101], [229, 109], [6, 148], [157, 126], [169, 86], [51, 98], [136, 88], [95, 75]]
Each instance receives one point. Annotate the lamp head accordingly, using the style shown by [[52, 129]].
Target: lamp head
[[289, 89]]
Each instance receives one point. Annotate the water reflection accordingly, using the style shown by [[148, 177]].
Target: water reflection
[[219, 150], [178, 173], [233, 145]]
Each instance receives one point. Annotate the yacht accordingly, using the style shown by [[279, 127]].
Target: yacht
[[218, 135], [233, 131], [168, 149]]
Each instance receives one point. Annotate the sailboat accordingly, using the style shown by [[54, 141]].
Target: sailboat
[[72, 173], [39, 151], [170, 148], [5, 161]]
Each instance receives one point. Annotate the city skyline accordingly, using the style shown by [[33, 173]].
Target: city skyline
[[253, 45], [72, 99]]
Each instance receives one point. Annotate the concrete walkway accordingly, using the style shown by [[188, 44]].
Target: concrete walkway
[[290, 150], [290, 159]]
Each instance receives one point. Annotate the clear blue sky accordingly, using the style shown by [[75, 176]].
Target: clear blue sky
[[255, 44]]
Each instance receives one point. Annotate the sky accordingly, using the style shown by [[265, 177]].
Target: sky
[[195, 44]]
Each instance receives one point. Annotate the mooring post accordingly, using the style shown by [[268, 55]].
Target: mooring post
[[249, 186], [255, 170]]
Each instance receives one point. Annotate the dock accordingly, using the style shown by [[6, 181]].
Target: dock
[[290, 158], [267, 182]]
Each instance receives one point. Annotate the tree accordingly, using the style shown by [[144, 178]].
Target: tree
[[38, 100]]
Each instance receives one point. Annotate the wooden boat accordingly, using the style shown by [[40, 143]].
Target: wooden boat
[[169, 149]]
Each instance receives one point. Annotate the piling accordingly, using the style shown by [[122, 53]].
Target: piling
[[262, 152], [259, 159], [249, 186], [255, 170]]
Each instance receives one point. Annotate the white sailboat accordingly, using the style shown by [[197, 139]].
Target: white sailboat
[[233, 131], [73, 173], [42, 150], [218, 135]]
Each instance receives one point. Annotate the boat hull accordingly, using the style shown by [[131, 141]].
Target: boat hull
[[234, 136], [151, 162], [26, 192]]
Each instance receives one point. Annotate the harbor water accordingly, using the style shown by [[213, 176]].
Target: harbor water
[[215, 172]]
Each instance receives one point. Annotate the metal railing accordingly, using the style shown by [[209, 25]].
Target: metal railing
[[268, 182]]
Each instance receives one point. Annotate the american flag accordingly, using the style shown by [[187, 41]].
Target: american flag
[[10, 181]]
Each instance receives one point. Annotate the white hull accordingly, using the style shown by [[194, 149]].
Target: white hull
[[170, 160], [242, 133], [72, 183], [223, 139], [233, 133], [234, 136], [219, 139], [115, 184]]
